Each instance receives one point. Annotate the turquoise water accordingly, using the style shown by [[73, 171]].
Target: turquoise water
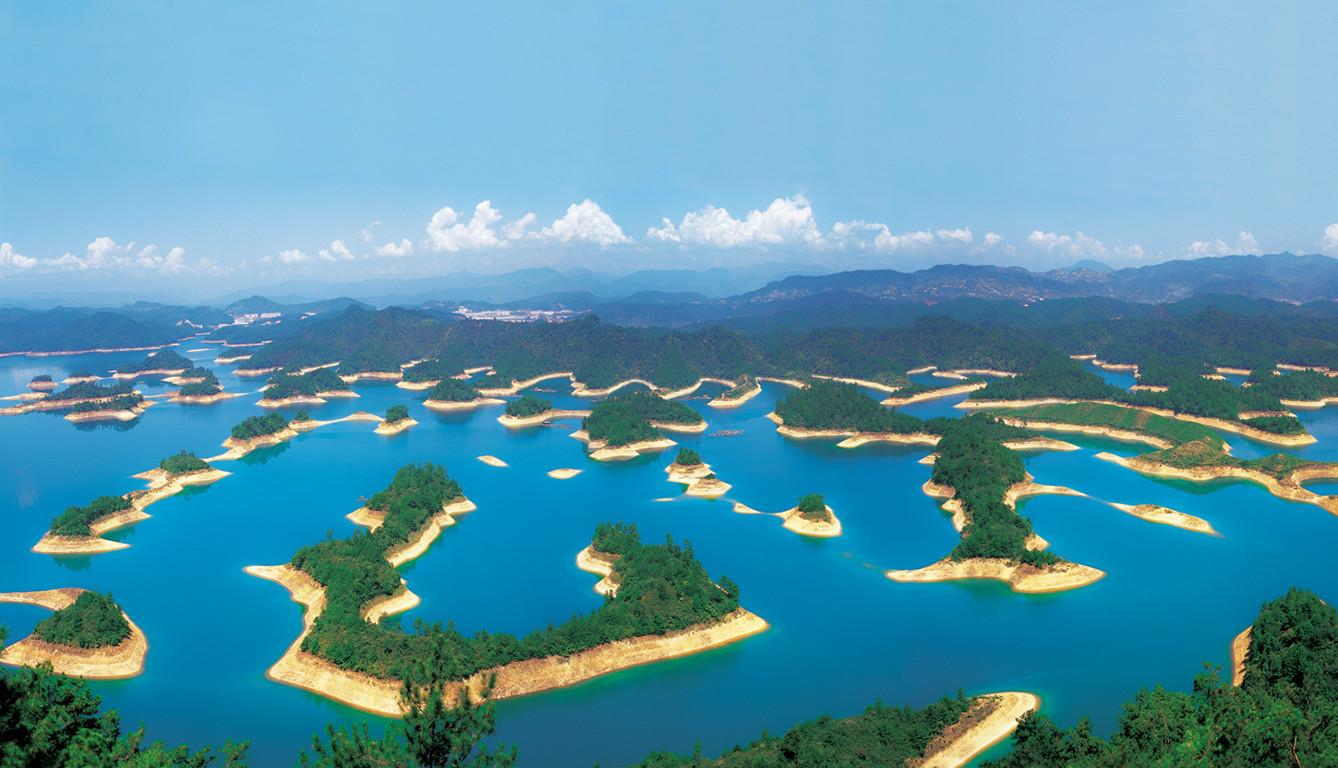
[[842, 635]]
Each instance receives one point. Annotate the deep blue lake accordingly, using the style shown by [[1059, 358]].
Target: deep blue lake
[[842, 635]]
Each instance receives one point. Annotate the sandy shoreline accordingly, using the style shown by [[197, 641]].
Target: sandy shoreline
[[229, 359], [564, 473], [599, 563], [1166, 516], [118, 414], [852, 438], [580, 390], [394, 427], [123, 660], [934, 394], [990, 720], [491, 460], [734, 402], [1123, 435], [128, 375], [1290, 488], [602, 451], [353, 378], [239, 448], [1240, 650], [552, 414], [1020, 577], [866, 383], [700, 481], [517, 386], [202, 399]]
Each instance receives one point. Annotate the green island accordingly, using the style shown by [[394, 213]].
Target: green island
[[661, 589], [206, 386], [261, 426], [93, 620], [41, 381], [745, 386], [431, 370], [312, 384], [183, 462], [526, 406], [89, 390], [162, 361], [453, 391], [77, 521], [636, 417], [396, 413], [688, 457], [128, 402], [813, 507], [833, 406]]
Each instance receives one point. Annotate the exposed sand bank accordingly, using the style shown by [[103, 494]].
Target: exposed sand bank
[[1289, 488], [935, 394], [310, 424], [41, 386], [1039, 444], [1240, 650], [128, 375], [217, 397], [353, 378], [1148, 388], [553, 414], [793, 522], [462, 405], [394, 427], [737, 400], [289, 402], [796, 383], [947, 375], [989, 720], [492, 461], [852, 438], [1115, 366], [110, 414], [246, 373], [517, 386], [563, 473], [599, 563], [417, 386], [1225, 371], [1018, 576], [125, 659], [580, 390], [229, 359], [687, 429], [1123, 435], [239, 448], [600, 451], [1166, 516], [922, 369], [867, 383]]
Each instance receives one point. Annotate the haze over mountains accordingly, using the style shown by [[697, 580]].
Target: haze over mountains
[[1274, 284]]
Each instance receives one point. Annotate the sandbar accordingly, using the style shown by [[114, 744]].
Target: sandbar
[[947, 375], [1039, 444], [1021, 577], [352, 378], [796, 383], [737, 400], [563, 473], [491, 460], [394, 427], [252, 372], [1166, 516], [41, 386], [517, 386], [417, 386], [538, 419], [229, 359], [867, 383], [125, 659], [580, 390], [126, 376], [119, 414], [793, 522], [599, 563], [988, 721], [934, 394], [202, 399], [1289, 488]]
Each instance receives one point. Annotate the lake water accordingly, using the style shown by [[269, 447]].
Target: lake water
[[842, 635]]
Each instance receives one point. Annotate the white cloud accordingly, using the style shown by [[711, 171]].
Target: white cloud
[[787, 221], [403, 248], [876, 236], [446, 232], [12, 261], [336, 252], [1245, 244], [1082, 246], [586, 222], [105, 254], [1329, 245], [290, 256], [992, 239], [367, 234]]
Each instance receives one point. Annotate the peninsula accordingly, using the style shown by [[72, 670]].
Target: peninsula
[[531, 411], [88, 636], [625, 426]]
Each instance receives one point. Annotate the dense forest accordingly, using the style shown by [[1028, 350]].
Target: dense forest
[[182, 462], [813, 507], [396, 413], [41, 378], [118, 403], [1285, 712], [528, 405], [285, 385], [93, 620], [162, 360], [75, 521], [207, 386], [662, 588], [453, 391], [627, 418], [259, 426], [826, 404], [687, 457], [91, 390]]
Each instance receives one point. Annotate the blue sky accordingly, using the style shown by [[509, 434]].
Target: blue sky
[[239, 143]]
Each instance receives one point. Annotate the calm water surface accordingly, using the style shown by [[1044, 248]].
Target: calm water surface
[[842, 635]]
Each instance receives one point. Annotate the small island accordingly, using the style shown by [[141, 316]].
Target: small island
[[827, 408], [161, 363], [812, 517], [664, 606], [304, 388], [457, 395], [531, 411], [88, 636], [87, 401], [625, 426], [689, 469], [397, 420], [744, 390], [200, 387], [255, 432], [42, 382], [79, 530]]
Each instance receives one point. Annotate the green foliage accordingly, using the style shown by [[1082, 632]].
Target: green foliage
[[1301, 385], [396, 413], [813, 507], [121, 403], [687, 457], [209, 385], [1208, 397], [51, 721], [285, 385], [1171, 430], [1055, 376], [880, 736], [302, 415], [826, 404], [75, 521], [162, 360], [980, 469], [453, 391], [40, 378], [182, 462], [661, 589], [529, 405], [93, 620], [746, 384], [1210, 452], [1285, 713], [628, 418], [259, 426], [615, 538], [91, 390], [1162, 370]]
